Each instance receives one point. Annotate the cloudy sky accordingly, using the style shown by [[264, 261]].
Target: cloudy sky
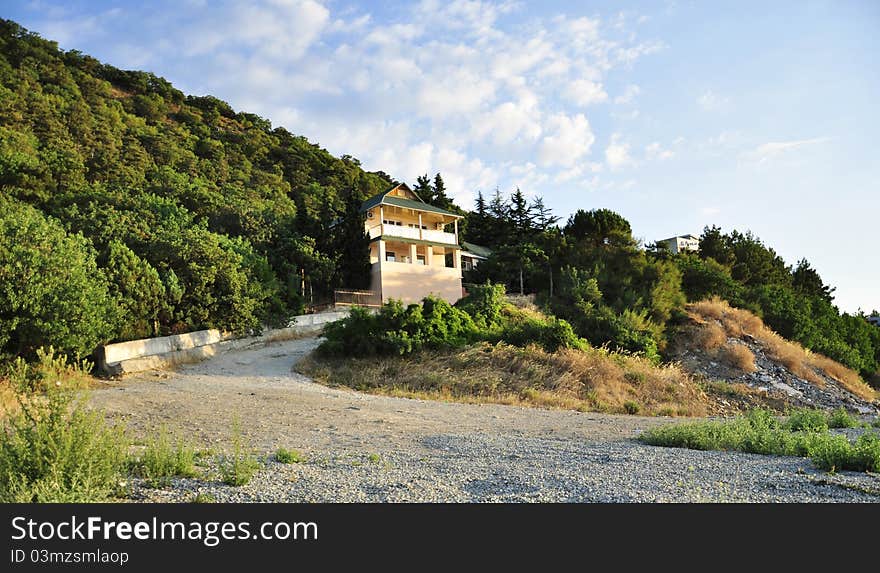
[[758, 116]]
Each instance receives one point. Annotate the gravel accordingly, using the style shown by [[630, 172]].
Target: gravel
[[502, 469], [363, 448]]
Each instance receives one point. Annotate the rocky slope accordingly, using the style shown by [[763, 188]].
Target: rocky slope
[[733, 347]]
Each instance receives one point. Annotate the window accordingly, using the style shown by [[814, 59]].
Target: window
[[420, 259], [466, 265], [389, 256]]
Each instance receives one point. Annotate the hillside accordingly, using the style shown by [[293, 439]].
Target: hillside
[[197, 215], [733, 346], [129, 209]]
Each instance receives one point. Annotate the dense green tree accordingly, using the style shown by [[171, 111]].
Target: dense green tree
[[51, 291]]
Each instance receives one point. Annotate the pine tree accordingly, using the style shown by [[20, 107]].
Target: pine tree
[[520, 214], [440, 199], [424, 189]]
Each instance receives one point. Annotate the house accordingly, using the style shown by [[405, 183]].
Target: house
[[412, 254], [681, 243], [472, 255]]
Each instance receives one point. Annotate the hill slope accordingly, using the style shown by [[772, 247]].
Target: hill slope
[[734, 346], [196, 214]]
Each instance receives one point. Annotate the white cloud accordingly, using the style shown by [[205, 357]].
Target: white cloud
[[617, 153], [656, 151], [629, 94], [773, 149], [710, 101], [585, 92], [463, 87], [569, 138], [710, 211]]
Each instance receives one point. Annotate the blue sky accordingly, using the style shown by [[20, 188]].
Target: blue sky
[[756, 116]]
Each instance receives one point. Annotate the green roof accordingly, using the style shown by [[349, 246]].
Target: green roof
[[384, 199], [478, 250]]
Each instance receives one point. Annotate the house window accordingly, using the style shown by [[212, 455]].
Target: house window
[[389, 256], [420, 259], [466, 265]]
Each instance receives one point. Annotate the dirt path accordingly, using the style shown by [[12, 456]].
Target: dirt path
[[278, 407], [379, 449]]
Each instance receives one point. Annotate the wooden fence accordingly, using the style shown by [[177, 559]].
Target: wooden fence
[[357, 297]]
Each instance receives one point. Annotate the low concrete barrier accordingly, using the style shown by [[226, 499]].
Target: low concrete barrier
[[166, 351]]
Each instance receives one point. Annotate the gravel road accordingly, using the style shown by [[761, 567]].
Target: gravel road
[[363, 448]]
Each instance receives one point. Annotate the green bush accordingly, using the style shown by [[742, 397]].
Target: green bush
[[840, 418], [285, 456], [484, 304], [54, 449], [550, 334], [396, 329], [164, 459], [807, 419], [759, 432]]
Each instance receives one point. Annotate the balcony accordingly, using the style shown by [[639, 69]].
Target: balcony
[[402, 232]]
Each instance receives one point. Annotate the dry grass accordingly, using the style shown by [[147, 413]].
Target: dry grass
[[801, 362], [591, 380], [739, 356], [710, 336]]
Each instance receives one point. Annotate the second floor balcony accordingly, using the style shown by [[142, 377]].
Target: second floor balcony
[[406, 232]]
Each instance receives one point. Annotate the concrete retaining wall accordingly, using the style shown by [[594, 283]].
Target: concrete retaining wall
[[166, 351]]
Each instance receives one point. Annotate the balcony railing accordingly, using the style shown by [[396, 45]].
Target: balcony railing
[[413, 233]]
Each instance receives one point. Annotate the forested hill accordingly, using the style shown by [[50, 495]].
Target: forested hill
[[128, 209], [196, 214]]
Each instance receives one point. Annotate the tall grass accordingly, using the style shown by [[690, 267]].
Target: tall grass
[[52, 448], [238, 467], [164, 458], [804, 433], [591, 379]]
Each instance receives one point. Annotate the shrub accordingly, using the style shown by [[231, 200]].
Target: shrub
[[238, 467], [807, 419], [758, 432], [631, 407], [739, 356], [54, 449], [484, 303], [396, 329], [163, 459], [711, 336], [286, 456], [551, 334], [840, 418]]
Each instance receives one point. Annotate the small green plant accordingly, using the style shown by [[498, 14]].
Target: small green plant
[[374, 458], [203, 498], [807, 419], [286, 456], [163, 459], [55, 449], [631, 407], [840, 418], [238, 467]]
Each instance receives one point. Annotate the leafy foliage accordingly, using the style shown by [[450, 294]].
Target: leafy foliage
[[54, 448], [176, 211]]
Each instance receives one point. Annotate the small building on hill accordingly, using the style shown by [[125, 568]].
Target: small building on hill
[[681, 243], [472, 255], [414, 249]]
